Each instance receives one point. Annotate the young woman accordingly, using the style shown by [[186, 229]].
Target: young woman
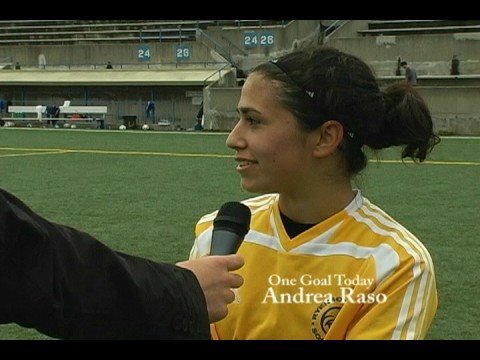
[[321, 261]]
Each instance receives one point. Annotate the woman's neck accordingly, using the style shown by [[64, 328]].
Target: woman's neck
[[309, 207]]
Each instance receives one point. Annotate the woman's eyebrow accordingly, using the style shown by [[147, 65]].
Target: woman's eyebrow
[[245, 110]]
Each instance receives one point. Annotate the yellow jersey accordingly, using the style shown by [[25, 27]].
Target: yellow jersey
[[357, 275]]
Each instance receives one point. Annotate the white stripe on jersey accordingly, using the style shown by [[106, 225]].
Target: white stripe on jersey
[[260, 201], [408, 298], [256, 204], [389, 221], [386, 259], [203, 242], [427, 276], [272, 242]]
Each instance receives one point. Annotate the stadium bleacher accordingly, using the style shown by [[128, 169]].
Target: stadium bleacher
[[409, 27], [70, 31], [109, 31]]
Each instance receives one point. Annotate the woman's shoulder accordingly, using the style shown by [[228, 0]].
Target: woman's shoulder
[[255, 204], [260, 202], [387, 232]]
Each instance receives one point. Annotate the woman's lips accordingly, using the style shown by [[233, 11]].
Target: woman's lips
[[244, 164]]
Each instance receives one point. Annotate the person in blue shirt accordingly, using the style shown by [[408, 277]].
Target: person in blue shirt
[[150, 110]]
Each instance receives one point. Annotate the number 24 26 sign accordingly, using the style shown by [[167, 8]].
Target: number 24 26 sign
[[253, 39]]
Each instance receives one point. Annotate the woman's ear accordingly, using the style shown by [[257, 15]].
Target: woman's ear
[[329, 136]]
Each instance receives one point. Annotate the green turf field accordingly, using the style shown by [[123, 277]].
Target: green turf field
[[142, 193]]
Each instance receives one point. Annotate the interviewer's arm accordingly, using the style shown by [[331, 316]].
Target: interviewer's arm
[[66, 284]]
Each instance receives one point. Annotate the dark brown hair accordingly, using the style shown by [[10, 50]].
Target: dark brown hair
[[323, 83]]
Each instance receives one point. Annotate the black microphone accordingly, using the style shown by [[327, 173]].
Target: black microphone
[[229, 228]]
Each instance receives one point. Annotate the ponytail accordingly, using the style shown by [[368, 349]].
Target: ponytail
[[407, 122]]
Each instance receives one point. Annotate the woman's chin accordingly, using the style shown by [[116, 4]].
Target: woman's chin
[[252, 187]]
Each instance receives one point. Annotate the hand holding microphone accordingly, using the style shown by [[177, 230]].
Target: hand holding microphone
[[214, 272], [217, 281]]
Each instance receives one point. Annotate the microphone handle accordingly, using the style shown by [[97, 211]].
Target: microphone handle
[[224, 242]]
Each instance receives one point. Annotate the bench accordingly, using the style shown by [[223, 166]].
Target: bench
[[67, 111], [27, 110], [98, 110], [63, 109], [102, 110], [163, 124], [27, 121]]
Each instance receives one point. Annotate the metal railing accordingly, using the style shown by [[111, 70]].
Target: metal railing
[[226, 68], [332, 29], [214, 45], [230, 44], [6, 59]]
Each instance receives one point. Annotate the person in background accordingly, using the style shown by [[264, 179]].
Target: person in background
[[3, 106], [410, 73], [199, 125], [200, 113], [398, 70], [455, 66], [66, 284], [109, 65], [321, 260], [150, 110]]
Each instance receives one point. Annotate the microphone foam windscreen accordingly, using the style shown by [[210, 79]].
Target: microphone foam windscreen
[[233, 216]]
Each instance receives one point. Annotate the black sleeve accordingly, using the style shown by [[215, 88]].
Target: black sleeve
[[66, 284]]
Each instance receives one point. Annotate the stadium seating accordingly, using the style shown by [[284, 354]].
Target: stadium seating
[[409, 27], [71, 31]]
